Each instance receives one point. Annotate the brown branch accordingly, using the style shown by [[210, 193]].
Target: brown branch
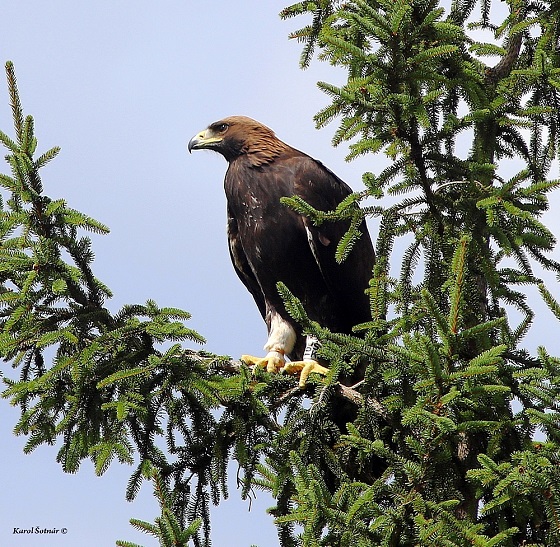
[[233, 366], [350, 393], [503, 68], [494, 74]]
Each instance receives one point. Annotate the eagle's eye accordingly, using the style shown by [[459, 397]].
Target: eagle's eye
[[220, 128]]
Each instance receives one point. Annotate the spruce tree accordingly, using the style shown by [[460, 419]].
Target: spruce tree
[[436, 444]]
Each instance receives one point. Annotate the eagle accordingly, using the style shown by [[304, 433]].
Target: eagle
[[270, 243]]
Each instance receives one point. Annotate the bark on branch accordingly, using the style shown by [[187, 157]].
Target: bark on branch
[[503, 68], [233, 366]]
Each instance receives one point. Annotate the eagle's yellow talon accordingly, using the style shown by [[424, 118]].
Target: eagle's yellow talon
[[273, 361], [305, 368]]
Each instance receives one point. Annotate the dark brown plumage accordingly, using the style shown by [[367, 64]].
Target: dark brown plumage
[[269, 242]]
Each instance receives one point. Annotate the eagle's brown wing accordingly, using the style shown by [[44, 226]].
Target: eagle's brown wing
[[241, 265], [347, 282]]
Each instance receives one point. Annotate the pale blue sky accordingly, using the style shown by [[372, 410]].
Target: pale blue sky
[[121, 86]]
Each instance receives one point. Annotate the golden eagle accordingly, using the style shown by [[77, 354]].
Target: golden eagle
[[270, 242]]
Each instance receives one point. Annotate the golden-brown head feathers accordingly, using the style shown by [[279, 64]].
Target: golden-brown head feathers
[[237, 136]]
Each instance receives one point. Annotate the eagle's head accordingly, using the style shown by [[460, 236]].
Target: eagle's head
[[236, 136]]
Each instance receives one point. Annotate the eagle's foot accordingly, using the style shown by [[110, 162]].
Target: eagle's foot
[[273, 361], [304, 368]]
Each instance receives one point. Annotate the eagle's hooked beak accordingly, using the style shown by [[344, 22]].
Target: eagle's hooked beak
[[196, 141], [204, 139]]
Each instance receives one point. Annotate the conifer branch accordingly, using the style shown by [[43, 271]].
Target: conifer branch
[[234, 366], [17, 113], [504, 67]]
